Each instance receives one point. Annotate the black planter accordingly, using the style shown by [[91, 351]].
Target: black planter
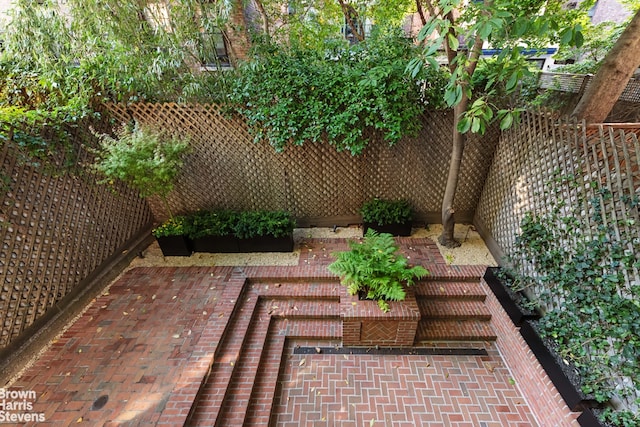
[[589, 419], [563, 376], [175, 245], [395, 229], [266, 244], [216, 244], [508, 298]]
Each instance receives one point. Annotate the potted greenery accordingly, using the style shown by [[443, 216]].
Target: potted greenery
[[374, 270], [264, 231], [212, 231], [171, 237], [148, 161], [387, 216]]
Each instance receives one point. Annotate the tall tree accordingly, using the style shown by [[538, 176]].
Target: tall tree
[[461, 29], [612, 77]]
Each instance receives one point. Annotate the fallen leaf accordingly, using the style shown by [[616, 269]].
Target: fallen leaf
[[302, 362], [318, 350], [174, 297], [125, 313], [153, 296], [372, 422], [176, 335], [79, 420]]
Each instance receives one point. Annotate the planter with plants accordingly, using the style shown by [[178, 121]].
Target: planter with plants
[[264, 231], [387, 216], [148, 161], [514, 303], [212, 231], [564, 375], [172, 238], [379, 308]]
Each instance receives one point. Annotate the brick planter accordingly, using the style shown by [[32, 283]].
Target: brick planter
[[364, 324]]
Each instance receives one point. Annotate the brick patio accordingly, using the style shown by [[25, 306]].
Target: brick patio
[[259, 346]]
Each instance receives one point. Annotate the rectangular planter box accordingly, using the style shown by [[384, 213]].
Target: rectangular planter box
[[507, 298], [266, 244], [399, 229], [573, 397], [216, 244], [364, 324], [174, 245]]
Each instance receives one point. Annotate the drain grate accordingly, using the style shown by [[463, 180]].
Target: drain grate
[[393, 351], [100, 402]]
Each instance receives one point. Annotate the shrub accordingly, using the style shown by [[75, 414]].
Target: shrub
[[375, 269], [175, 226], [263, 223], [211, 223], [381, 212]]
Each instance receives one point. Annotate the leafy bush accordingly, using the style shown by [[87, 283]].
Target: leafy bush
[[335, 93], [263, 223], [382, 212], [144, 158], [376, 269], [211, 223], [175, 226]]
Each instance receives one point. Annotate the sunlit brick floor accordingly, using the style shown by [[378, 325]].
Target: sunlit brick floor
[[138, 356]]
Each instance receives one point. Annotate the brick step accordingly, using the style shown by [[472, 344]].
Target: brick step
[[298, 290], [453, 309], [206, 408], [234, 406], [467, 290], [455, 330], [265, 386], [303, 308]]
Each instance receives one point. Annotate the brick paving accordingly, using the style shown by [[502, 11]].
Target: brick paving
[[214, 346]]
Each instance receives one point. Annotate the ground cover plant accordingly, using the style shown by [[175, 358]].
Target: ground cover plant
[[578, 265]]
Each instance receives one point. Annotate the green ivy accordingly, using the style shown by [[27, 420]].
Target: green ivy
[[375, 268], [336, 93], [584, 268]]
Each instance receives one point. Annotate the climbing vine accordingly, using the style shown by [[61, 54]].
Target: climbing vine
[[586, 283], [335, 92]]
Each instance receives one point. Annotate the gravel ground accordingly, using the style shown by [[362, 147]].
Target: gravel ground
[[473, 251]]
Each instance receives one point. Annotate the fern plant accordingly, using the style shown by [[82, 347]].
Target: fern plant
[[375, 269]]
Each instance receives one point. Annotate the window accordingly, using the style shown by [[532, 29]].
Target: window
[[214, 50]]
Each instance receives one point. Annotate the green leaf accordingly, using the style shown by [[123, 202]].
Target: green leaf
[[506, 121], [464, 125], [513, 81], [453, 41]]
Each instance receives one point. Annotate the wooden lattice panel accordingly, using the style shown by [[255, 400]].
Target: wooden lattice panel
[[226, 169], [57, 228]]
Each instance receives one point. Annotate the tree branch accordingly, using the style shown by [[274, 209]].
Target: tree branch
[[423, 18], [346, 10]]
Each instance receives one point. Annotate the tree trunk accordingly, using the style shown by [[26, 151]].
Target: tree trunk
[[612, 77], [448, 221]]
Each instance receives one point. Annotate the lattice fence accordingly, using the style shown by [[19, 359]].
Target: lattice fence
[[320, 186], [530, 155], [578, 83], [56, 228], [605, 160]]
